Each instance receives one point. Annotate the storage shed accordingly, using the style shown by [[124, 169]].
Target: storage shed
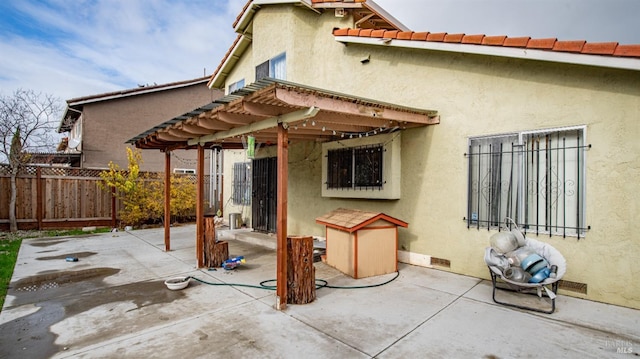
[[360, 243]]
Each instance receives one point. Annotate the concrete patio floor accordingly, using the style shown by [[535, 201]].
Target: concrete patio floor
[[112, 303]]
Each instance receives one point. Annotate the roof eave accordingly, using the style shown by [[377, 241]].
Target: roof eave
[[246, 16], [218, 79], [511, 52], [134, 92], [371, 5]]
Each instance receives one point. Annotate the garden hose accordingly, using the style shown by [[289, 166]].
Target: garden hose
[[320, 283]]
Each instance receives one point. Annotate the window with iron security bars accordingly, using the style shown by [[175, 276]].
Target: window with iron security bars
[[535, 178], [241, 183], [355, 167]]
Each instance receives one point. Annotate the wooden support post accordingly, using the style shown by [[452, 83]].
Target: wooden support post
[[200, 208], [281, 217], [220, 253], [167, 201], [215, 252], [301, 285], [39, 198]]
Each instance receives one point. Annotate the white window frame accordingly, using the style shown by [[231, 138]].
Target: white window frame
[[236, 86], [277, 67], [391, 168], [552, 186]]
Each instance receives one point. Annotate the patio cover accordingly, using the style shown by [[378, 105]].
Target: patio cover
[[274, 112], [310, 114]]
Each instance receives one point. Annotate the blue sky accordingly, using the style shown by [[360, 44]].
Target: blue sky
[[75, 48]]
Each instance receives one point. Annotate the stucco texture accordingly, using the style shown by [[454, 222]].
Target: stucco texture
[[475, 95]]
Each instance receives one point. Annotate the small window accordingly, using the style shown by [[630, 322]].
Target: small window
[[356, 167], [275, 68], [536, 178], [236, 86], [184, 171], [262, 70], [241, 183]]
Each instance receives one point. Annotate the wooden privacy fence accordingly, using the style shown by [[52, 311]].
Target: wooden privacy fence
[[59, 197], [52, 197]]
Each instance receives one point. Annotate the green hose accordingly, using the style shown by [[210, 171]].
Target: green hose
[[320, 283]]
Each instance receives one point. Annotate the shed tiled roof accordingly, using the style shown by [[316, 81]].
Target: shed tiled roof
[[351, 220], [550, 44]]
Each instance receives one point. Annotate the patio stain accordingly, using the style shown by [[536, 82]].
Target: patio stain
[[54, 279], [47, 251], [45, 243], [74, 293], [63, 256]]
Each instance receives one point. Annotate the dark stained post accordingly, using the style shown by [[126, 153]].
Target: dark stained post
[[281, 224], [167, 201], [200, 207], [39, 197]]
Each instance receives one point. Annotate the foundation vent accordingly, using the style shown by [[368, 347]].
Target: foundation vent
[[573, 286], [440, 262]]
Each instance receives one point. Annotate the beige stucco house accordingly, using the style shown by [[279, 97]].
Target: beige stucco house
[[538, 130], [98, 126]]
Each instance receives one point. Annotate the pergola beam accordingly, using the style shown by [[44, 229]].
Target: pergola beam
[[263, 109], [353, 108], [211, 124], [239, 118], [179, 133], [272, 122], [194, 129]]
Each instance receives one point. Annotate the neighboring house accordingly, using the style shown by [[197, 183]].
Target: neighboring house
[[539, 130], [99, 125]]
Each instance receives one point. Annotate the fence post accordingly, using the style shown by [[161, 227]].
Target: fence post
[[39, 192], [113, 207]]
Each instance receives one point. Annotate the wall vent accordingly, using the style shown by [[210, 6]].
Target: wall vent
[[573, 286], [440, 262]]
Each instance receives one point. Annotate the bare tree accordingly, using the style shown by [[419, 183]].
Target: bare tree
[[27, 125]]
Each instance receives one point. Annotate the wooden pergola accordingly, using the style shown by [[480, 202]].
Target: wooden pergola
[[275, 112]]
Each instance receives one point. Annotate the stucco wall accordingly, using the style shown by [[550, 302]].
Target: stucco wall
[[475, 95]]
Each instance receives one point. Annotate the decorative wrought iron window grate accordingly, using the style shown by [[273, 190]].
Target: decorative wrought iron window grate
[[535, 178], [355, 167], [241, 183]]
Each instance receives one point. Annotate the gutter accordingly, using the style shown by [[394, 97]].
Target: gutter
[[512, 52]]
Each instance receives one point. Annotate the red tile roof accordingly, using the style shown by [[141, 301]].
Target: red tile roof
[[549, 44], [380, 30]]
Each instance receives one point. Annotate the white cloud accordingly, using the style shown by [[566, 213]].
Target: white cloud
[[83, 47], [100, 46]]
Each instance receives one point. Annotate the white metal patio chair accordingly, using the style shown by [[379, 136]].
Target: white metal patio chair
[[546, 290]]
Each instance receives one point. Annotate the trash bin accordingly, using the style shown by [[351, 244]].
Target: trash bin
[[235, 221]]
